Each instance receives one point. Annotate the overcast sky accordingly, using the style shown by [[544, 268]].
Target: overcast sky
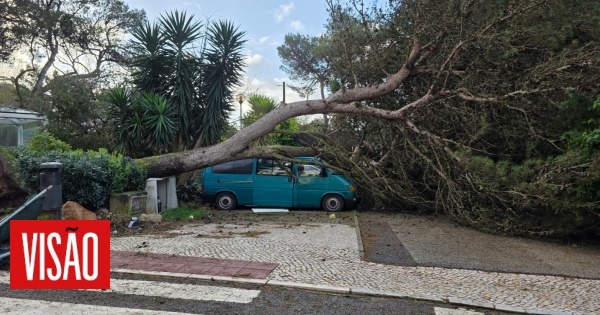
[[266, 22]]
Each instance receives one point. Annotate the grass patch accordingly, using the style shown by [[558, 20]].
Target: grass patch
[[183, 213]]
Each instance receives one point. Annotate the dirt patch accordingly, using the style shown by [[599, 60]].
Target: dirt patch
[[295, 217], [119, 226]]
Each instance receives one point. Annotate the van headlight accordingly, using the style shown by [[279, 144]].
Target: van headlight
[[352, 188]]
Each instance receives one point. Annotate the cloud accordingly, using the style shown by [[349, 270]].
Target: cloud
[[297, 25], [283, 11], [253, 59], [263, 39], [187, 3]]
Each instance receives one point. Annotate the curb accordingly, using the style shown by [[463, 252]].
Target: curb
[[361, 249], [353, 291]]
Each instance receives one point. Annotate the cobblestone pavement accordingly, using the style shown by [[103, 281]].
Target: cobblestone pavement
[[328, 254]]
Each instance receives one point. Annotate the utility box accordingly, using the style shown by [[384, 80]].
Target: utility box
[[130, 203], [162, 194], [51, 174]]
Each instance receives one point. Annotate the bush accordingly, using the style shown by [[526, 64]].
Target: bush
[[88, 177], [45, 142], [190, 192]]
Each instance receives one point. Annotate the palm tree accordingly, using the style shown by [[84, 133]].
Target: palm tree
[[260, 105]]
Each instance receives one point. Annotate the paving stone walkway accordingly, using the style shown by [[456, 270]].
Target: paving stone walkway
[[328, 254], [190, 264]]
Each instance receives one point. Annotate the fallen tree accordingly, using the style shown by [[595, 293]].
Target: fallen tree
[[454, 67]]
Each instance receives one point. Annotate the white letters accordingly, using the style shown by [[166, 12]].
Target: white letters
[[51, 237], [42, 256], [29, 257], [48, 245], [72, 252], [86, 254]]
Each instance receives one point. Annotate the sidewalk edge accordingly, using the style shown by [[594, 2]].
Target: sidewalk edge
[[361, 249]]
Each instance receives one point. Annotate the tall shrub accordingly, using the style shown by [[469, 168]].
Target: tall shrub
[[89, 177]]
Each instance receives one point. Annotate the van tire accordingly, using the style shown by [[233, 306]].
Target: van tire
[[226, 201], [332, 203]]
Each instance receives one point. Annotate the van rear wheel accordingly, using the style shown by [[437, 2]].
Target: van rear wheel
[[332, 203], [226, 201]]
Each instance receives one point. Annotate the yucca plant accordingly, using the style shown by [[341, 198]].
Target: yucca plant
[[142, 125], [125, 120], [194, 67], [159, 121], [149, 62], [182, 34], [221, 72]]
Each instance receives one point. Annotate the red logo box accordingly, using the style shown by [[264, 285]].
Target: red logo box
[[59, 254]]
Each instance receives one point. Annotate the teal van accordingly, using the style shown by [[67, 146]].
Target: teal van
[[272, 183]]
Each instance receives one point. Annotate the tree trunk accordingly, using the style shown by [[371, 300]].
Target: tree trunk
[[185, 177]]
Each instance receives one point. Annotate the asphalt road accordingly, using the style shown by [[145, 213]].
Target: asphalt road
[[268, 300], [436, 241]]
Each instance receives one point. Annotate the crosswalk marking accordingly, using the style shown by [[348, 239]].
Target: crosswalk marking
[[176, 290], [183, 291], [451, 311], [11, 306]]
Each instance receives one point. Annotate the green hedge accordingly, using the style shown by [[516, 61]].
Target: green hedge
[[88, 177]]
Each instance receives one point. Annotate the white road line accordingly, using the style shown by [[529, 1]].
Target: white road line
[[10, 306], [175, 290], [450, 311]]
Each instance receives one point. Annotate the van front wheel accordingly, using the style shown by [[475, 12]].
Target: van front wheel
[[226, 201], [332, 203]]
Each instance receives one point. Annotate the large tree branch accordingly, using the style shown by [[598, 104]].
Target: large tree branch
[[52, 42], [235, 146]]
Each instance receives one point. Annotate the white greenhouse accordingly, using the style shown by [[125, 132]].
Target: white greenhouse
[[17, 125]]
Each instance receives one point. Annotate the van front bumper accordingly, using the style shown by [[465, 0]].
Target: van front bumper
[[350, 203]]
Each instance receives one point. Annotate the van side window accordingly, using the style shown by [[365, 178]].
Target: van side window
[[270, 167], [234, 167]]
